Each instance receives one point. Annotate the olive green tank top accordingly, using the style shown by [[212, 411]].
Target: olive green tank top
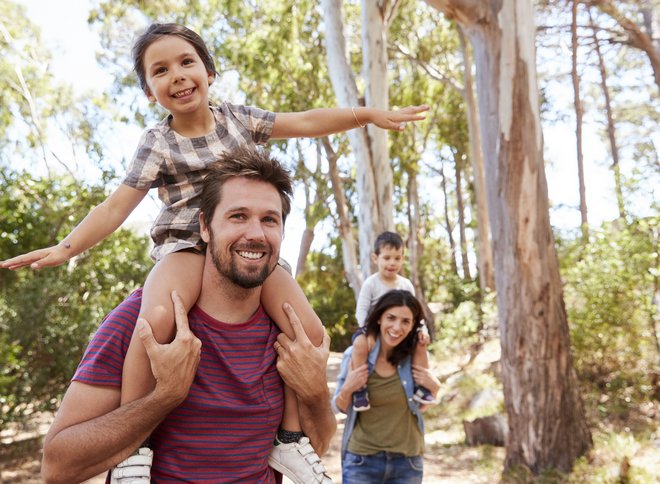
[[388, 425]]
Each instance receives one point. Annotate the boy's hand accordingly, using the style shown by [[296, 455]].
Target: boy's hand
[[396, 120], [48, 257]]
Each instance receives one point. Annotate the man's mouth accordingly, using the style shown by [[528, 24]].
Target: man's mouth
[[247, 254], [184, 93]]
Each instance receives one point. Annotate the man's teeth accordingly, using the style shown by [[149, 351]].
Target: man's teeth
[[250, 255]]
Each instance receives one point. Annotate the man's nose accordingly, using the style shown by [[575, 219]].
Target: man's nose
[[254, 230]]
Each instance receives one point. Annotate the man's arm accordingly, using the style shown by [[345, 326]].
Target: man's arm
[[91, 433], [303, 367]]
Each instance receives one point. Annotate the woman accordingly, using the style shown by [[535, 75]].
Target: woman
[[385, 444]]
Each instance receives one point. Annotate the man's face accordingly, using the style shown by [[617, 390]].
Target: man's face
[[245, 234]]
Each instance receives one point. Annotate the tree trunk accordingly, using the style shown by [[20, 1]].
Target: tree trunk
[[348, 245], [611, 129], [579, 111], [547, 427], [369, 145], [448, 225], [416, 249], [484, 247], [465, 264]]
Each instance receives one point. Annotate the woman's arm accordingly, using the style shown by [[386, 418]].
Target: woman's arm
[[103, 220], [325, 121], [425, 377]]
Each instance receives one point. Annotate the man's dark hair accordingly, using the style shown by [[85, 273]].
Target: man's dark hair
[[387, 239], [245, 162], [157, 31]]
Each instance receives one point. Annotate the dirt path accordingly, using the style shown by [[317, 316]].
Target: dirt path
[[443, 463]]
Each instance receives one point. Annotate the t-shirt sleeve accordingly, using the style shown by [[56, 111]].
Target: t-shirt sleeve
[[364, 303], [103, 360], [257, 121], [144, 170]]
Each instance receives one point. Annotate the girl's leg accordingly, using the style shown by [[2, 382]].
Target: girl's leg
[[281, 287], [180, 271], [292, 453]]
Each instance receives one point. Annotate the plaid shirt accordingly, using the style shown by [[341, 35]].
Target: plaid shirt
[[177, 165]]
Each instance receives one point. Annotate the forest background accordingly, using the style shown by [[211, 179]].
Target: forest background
[[63, 148]]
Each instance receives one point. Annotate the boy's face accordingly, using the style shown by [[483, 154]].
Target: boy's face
[[389, 261]]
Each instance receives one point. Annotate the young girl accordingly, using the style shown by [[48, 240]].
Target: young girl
[[175, 70]]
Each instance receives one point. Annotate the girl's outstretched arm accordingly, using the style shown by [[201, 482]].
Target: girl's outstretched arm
[[103, 220], [325, 121]]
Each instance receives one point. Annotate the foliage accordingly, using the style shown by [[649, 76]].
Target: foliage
[[609, 291], [336, 306], [47, 317]]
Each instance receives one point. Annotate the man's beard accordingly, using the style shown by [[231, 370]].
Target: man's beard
[[230, 269]]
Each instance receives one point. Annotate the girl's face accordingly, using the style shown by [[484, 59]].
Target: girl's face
[[176, 76], [395, 323]]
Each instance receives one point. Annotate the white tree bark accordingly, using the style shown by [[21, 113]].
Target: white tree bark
[[369, 146], [547, 427]]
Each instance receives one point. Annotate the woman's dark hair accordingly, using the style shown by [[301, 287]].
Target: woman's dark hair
[[157, 31], [390, 299]]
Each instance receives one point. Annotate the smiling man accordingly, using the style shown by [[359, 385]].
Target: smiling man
[[218, 400]]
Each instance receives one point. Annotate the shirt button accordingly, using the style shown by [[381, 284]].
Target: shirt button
[[404, 382]]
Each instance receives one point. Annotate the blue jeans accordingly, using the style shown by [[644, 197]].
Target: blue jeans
[[383, 467]]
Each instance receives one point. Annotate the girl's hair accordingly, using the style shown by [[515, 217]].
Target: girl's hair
[[390, 299], [157, 31]]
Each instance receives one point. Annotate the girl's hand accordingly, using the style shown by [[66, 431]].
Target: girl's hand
[[396, 120], [48, 257], [423, 338]]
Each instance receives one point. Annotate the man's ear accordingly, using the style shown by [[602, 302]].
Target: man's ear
[[203, 229], [374, 258]]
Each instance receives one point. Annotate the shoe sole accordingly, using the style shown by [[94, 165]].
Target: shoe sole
[[361, 409], [285, 471]]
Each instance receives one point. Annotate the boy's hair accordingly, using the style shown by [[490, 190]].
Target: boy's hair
[[157, 31], [245, 162], [394, 298], [385, 239]]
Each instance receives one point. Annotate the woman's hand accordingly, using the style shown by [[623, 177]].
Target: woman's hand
[[356, 378], [425, 378]]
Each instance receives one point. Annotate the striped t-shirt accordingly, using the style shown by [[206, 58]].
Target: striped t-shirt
[[223, 431]]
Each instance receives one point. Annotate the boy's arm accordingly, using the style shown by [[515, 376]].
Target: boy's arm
[[324, 121], [363, 303], [103, 220]]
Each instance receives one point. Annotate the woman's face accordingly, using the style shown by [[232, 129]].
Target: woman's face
[[396, 323]]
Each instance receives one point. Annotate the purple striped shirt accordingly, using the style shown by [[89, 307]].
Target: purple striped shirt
[[223, 432]]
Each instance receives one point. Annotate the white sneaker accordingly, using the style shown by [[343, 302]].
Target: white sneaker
[[136, 469], [298, 462]]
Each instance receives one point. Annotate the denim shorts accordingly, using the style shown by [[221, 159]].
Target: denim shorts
[[383, 467]]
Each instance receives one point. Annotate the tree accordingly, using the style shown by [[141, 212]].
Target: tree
[[547, 427], [374, 175]]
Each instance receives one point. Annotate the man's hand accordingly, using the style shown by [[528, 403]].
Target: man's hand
[[174, 365], [303, 368], [301, 364]]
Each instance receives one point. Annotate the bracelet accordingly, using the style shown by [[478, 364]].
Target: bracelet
[[356, 118]]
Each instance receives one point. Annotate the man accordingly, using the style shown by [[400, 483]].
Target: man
[[212, 421]]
